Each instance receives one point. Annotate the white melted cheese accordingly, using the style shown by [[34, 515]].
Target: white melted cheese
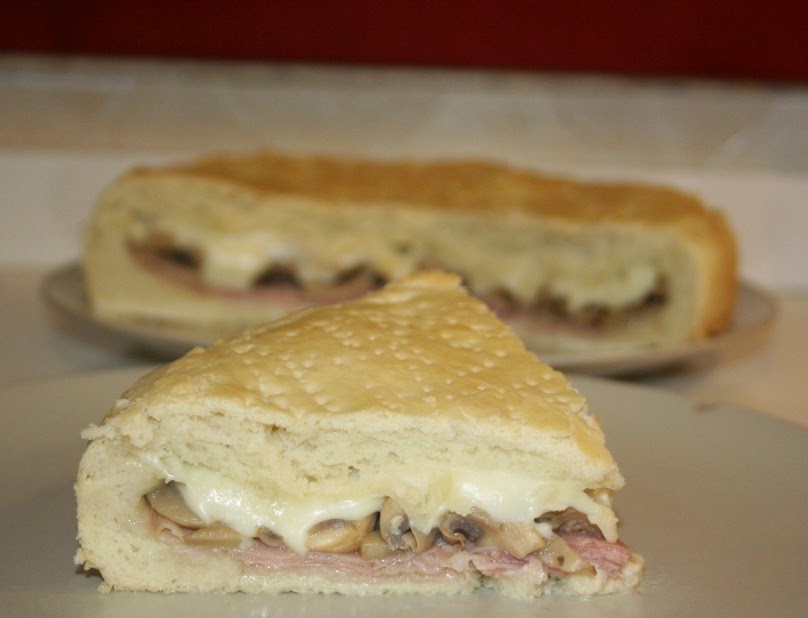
[[507, 498], [612, 289], [523, 257]]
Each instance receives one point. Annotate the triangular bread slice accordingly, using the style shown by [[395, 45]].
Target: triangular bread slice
[[403, 443]]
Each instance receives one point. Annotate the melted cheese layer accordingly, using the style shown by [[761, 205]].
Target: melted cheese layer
[[241, 239], [505, 496]]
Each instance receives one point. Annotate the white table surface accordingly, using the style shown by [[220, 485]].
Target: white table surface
[[69, 125]]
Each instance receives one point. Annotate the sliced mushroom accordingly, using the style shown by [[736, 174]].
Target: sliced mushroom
[[374, 547], [215, 535], [278, 274], [324, 292], [569, 520], [267, 537], [395, 529], [393, 523], [162, 246], [340, 536], [418, 542], [559, 555], [167, 500], [518, 539], [458, 529]]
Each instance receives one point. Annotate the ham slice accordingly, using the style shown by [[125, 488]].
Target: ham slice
[[286, 295], [436, 561], [605, 556], [442, 559]]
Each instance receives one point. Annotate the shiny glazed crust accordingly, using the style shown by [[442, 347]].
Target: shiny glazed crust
[[336, 401]]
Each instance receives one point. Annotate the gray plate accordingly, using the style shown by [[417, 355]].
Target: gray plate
[[715, 501], [63, 291]]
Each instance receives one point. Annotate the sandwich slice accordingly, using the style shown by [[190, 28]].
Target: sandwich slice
[[402, 443], [228, 242]]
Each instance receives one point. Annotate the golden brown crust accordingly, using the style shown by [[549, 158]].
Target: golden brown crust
[[719, 299], [466, 185]]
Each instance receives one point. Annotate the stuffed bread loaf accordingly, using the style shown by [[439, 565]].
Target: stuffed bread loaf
[[228, 242]]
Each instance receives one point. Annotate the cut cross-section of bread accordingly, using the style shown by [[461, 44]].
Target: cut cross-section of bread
[[229, 242], [406, 442]]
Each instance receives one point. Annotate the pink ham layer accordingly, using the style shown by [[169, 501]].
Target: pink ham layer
[[441, 559], [289, 297]]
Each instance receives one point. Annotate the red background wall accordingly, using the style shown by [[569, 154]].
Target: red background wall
[[729, 39]]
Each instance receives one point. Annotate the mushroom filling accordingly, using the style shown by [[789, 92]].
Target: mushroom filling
[[556, 309], [600, 316], [348, 283], [164, 258], [389, 533], [160, 255]]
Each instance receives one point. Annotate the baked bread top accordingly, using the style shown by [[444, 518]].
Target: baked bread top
[[467, 185]]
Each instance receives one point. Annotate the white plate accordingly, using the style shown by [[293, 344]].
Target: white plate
[[63, 291], [715, 501]]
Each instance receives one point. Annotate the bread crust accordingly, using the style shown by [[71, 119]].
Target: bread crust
[[471, 185]]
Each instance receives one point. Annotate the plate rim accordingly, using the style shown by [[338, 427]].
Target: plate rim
[[159, 338], [678, 408]]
